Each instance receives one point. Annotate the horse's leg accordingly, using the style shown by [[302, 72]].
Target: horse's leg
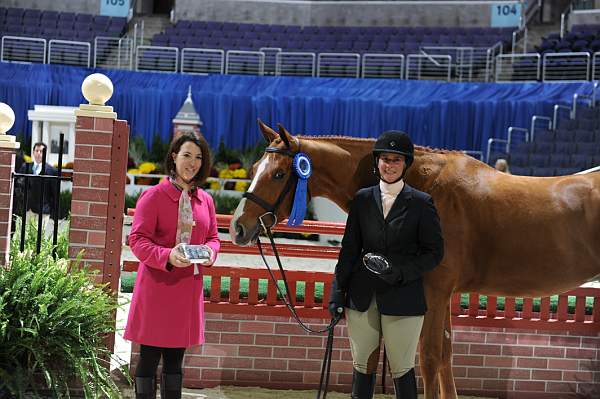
[[447, 387], [431, 344]]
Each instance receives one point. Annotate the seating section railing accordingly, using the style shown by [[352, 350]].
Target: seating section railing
[[67, 52], [113, 52], [241, 62], [389, 66], [23, 49], [202, 61], [295, 64], [428, 67]]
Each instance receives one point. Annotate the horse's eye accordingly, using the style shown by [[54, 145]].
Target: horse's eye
[[278, 175]]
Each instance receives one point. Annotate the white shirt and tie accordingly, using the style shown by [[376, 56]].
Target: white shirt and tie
[[36, 168]]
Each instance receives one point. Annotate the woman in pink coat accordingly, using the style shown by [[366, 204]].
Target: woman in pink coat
[[167, 310]]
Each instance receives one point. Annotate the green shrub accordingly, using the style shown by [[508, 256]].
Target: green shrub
[[53, 322], [131, 200], [225, 204]]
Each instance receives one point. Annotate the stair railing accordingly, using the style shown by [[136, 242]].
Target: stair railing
[[536, 118]]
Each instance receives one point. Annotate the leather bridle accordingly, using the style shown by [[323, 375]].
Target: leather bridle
[[271, 211]]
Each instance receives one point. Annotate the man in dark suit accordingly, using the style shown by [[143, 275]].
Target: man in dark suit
[[36, 187], [398, 225]]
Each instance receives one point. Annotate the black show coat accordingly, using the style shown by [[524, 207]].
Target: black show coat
[[410, 238]]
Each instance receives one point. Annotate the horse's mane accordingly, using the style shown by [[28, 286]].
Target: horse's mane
[[370, 139]]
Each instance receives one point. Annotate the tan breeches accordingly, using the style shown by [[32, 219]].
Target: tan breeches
[[400, 336]]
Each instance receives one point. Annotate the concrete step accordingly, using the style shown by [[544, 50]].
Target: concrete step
[[153, 24]]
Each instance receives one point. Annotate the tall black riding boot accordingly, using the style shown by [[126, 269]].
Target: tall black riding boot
[[145, 387], [406, 386], [170, 386], [363, 385]]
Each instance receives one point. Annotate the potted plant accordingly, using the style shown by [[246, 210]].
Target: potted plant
[[53, 321]]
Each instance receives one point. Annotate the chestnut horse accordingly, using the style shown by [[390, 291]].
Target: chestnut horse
[[504, 235]]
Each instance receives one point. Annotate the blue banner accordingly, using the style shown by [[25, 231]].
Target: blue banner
[[114, 8], [505, 15]]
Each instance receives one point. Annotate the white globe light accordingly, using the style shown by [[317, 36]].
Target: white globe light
[[97, 89], [7, 118]]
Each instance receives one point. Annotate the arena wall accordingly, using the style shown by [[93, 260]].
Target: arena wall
[[80, 6], [330, 13], [274, 352]]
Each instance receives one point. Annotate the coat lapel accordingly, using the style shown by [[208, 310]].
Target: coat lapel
[[400, 205], [376, 191]]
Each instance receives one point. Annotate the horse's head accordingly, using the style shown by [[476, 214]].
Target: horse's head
[[269, 197]]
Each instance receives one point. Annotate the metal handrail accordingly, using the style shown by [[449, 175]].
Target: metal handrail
[[367, 56], [566, 56], [490, 57], [557, 107], [510, 136], [354, 56], [474, 153], [489, 147], [534, 119], [307, 54], [576, 98], [234, 53]]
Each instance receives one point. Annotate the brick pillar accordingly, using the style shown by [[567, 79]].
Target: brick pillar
[[8, 146], [99, 169]]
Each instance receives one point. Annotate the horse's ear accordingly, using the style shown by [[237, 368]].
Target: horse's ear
[[268, 133], [286, 137]]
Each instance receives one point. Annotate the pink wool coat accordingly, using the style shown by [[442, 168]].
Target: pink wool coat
[[167, 309]]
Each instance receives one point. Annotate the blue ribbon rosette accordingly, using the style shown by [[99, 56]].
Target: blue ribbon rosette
[[303, 168]]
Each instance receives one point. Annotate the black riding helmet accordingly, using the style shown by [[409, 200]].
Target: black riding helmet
[[395, 142]]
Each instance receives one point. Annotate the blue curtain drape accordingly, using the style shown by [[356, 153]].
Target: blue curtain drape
[[439, 114]]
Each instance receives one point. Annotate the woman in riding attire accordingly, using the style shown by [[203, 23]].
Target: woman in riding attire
[[392, 238]]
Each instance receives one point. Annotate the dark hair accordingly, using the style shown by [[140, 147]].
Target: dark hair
[[175, 147], [40, 144]]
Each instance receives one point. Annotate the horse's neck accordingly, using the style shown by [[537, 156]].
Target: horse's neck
[[426, 169], [340, 166]]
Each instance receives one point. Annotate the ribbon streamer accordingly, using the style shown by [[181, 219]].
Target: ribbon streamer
[[303, 168]]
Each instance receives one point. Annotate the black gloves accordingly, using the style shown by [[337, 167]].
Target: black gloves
[[337, 299], [381, 267]]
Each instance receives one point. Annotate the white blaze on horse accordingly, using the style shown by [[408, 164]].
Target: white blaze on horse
[[503, 234]]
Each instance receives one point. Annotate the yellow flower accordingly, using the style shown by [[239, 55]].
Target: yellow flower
[[27, 158], [241, 186], [214, 185], [134, 171], [240, 173], [147, 167], [226, 174]]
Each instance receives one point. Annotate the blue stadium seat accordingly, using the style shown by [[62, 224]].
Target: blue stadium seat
[[581, 161], [542, 171], [539, 160], [562, 147], [560, 160], [521, 171]]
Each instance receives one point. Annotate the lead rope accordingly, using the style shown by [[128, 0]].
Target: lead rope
[[287, 300]]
